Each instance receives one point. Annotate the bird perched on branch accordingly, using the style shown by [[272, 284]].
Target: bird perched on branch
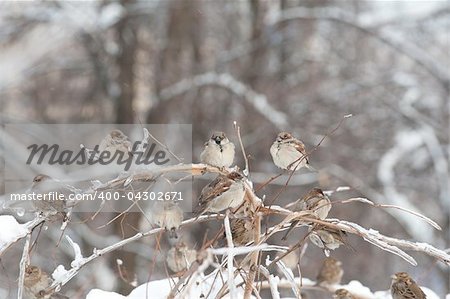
[[327, 238], [289, 153], [116, 140], [180, 257], [218, 151], [315, 201], [225, 192], [53, 197], [331, 272], [242, 231], [169, 216], [36, 284], [343, 294], [404, 287]]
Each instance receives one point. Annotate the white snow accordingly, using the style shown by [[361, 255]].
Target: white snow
[[356, 288], [13, 232], [110, 15], [160, 289], [60, 273], [430, 294], [99, 294], [79, 259]]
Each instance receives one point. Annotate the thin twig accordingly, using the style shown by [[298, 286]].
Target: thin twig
[[254, 260], [367, 201], [24, 262], [246, 170], [230, 256]]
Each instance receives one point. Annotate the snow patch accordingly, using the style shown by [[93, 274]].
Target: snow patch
[[14, 232], [99, 294], [60, 273]]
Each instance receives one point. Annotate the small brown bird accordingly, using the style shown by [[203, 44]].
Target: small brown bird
[[327, 238], [169, 216], [343, 294], [331, 272], [218, 151], [242, 231], [288, 152], [404, 287], [116, 140], [180, 257], [52, 194], [35, 285], [223, 193], [315, 201]]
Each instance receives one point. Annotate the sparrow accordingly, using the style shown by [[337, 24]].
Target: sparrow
[[404, 287], [327, 238], [218, 151], [343, 294], [331, 272], [242, 231], [223, 193], [180, 257], [315, 201], [53, 203], [116, 140], [169, 216], [35, 284], [288, 152]]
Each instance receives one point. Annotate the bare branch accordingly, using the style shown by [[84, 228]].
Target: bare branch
[[29, 226], [24, 262]]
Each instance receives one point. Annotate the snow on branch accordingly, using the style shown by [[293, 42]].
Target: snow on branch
[[15, 231], [418, 230], [207, 257], [257, 100]]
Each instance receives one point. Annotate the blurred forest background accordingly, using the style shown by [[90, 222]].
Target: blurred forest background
[[298, 66]]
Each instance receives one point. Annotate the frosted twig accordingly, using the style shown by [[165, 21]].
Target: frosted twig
[[100, 252], [24, 262], [273, 282], [393, 245], [29, 226], [230, 256], [289, 276], [78, 257], [365, 200], [414, 228], [146, 132], [238, 133], [254, 258]]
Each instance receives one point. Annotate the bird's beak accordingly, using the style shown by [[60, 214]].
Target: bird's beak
[[393, 276]]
